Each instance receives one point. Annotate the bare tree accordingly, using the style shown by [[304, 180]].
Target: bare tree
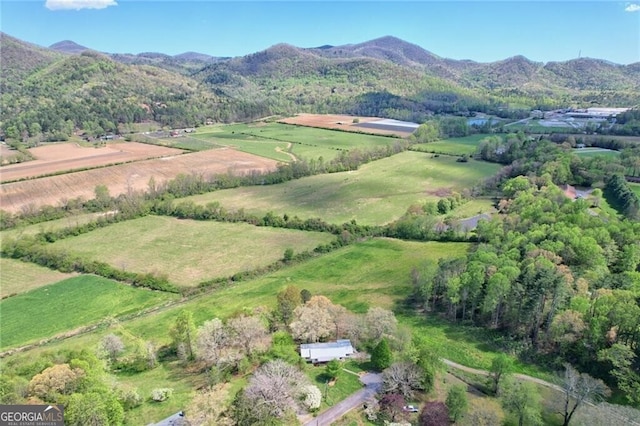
[[249, 333], [275, 389], [580, 388], [112, 346], [212, 340], [403, 378], [380, 322]]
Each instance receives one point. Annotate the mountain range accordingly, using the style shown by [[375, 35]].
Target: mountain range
[[386, 76]]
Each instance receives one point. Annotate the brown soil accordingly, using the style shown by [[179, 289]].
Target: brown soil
[[60, 157], [339, 122], [19, 196]]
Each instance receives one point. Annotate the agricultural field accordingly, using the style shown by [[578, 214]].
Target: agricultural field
[[371, 273], [51, 225], [345, 123], [69, 304], [187, 251], [305, 142], [62, 157], [375, 194], [120, 179], [595, 152], [19, 277], [188, 143], [453, 146]]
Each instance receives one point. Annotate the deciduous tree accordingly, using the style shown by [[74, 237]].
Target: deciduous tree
[[578, 389], [404, 378], [457, 402]]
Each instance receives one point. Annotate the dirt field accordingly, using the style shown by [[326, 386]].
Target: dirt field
[[61, 157], [340, 122], [17, 196]]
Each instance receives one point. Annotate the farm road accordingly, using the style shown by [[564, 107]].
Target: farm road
[[486, 373], [372, 383]]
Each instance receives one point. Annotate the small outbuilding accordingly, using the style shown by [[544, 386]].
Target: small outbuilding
[[325, 352]]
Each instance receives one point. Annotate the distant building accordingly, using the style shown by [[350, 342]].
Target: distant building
[[325, 352]]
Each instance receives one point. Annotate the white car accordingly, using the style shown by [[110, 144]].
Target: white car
[[410, 408]]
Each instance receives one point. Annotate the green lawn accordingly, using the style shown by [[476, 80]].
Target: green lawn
[[165, 375], [635, 187], [188, 251], [307, 142], [69, 304], [332, 393], [18, 277], [377, 193], [454, 146]]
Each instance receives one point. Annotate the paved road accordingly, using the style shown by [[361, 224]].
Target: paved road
[[372, 383]]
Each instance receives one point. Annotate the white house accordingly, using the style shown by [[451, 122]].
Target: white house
[[325, 352]]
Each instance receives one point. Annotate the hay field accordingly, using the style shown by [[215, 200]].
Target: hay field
[[303, 142], [377, 193], [188, 251], [17, 196]]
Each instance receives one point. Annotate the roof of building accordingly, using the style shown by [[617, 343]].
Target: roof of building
[[328, 345]]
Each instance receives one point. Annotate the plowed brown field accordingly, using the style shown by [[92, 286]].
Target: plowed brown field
[[17, 196], [339, 122], [60, 157]]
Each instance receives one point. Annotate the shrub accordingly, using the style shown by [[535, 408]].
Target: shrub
[[161, 394]]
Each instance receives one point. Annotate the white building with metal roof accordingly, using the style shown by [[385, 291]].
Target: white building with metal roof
[[325, 352]]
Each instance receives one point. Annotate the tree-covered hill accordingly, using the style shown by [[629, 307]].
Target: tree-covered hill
[[49, 94], [18, 59], [91, 90]]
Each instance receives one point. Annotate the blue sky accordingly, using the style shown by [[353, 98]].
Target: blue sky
[[479, 30]]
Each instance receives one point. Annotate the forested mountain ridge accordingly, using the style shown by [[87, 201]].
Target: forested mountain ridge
[[383, 77], [93, 92]]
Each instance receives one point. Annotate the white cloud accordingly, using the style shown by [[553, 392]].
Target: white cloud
[[78, 4], [632, 8]]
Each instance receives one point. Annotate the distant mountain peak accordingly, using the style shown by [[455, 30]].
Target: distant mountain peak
[[68, 46]]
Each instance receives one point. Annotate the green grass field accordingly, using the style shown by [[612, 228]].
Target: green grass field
[[454, 146], [595, 152], [635, 187], [69, 304], [371, 273], [307, 142], [18, 277], [377, 193], [187, 251], [51, 225]]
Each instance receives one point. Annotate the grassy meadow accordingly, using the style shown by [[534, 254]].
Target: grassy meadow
[[51, 225], [19, 277], [188, 251], [635, 187], [69, 304], [375, 194], [453, 146], [303, 142], [595, 152]]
